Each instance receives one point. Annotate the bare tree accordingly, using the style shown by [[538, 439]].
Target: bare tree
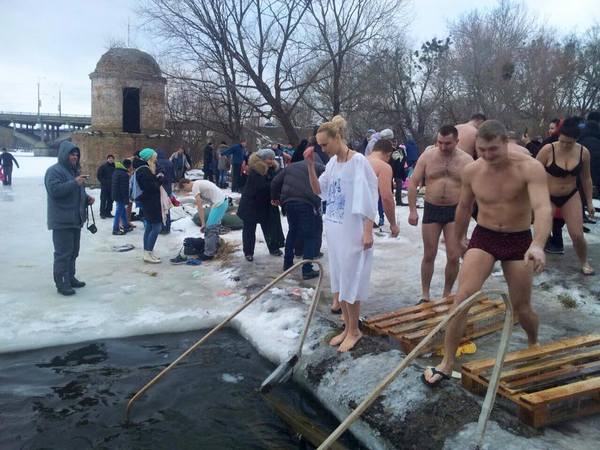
[[344, 31], [263, 40]]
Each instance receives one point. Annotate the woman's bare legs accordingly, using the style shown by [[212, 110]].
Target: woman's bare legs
[[353, 333], [337, 340]]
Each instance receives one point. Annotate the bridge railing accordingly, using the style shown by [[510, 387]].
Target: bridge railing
[[65, 116]]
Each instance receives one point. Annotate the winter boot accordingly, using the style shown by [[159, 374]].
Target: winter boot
[[76, 283], [149, 258]]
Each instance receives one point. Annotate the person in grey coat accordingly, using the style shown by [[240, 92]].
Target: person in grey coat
[[67, 212], [291, 189]]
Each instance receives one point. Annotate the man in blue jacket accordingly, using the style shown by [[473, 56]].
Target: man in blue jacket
[[237, 153], [67, 212]]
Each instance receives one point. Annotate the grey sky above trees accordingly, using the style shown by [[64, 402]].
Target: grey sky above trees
[[39, 48]]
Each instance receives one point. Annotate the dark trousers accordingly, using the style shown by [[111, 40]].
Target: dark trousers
[[7, 175], [236, 174], [209, 174], [249, 236], [381, 211], [303, 225], [398, 192], [106, 202], [66, 250]]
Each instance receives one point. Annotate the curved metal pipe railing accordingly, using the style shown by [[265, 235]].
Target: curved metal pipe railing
[[490, 396], [312, 309]]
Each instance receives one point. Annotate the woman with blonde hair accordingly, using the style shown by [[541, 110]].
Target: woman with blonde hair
[[349, 186], [150, 183]]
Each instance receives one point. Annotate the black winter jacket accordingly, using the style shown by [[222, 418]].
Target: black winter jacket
[[150, 198], [256, 196], [104, 174], [590, 139], [120, 185], [293, 184]]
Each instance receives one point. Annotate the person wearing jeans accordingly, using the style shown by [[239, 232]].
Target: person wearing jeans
[[207, 191], [150, 185], [120, 195], [291, 188]]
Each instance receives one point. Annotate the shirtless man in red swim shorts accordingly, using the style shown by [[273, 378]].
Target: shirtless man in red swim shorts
[[507, 186]]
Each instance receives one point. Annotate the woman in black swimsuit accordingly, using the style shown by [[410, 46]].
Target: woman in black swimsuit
[[565, 160]]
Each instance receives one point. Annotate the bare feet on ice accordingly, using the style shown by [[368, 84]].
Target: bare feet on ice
[[349, 342]]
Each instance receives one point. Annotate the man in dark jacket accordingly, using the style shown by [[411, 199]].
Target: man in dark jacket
[[590, 139], [104, 175], [238, 154], [207, 167], [67, 212], [120, 195], [165, 166], [291, 188], [6, 161], [180, 163]]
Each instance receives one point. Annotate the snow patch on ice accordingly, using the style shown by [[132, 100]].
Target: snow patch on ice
[[232, 378]]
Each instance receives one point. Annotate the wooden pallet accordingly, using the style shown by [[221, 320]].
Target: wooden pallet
[[410, 325], [549, 384]]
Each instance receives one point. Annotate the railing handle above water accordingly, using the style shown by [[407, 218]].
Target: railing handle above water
[[493, 384], [280, 277]]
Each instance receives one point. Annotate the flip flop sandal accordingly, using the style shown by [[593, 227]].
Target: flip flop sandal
[[587, 270], [436, 383], [336, 311], [422, 301]]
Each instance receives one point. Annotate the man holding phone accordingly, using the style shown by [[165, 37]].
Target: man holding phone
[[67, 212]]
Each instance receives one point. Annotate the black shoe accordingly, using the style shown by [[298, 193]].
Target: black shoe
[[277, 253], [586, 219], [76, 283], [102, 216], [249, 258], [110, 216], [310, 275], [119, 233], [178, 260], [65, 290], [204, 257], [165, 231], [128, 229], [586, 230], [554, 249]]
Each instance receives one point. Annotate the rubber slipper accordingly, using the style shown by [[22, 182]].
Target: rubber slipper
[[587, 270], [436, 383], [423, 300], [336, 311]]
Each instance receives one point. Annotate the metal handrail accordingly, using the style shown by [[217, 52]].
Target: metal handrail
[[490, 396], [312, 309], [67, 116]]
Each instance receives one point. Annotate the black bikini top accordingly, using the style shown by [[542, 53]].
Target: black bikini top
[[557, 171]]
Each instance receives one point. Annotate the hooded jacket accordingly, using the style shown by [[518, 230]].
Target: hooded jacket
[[590, 139], [236, 152], [256, 196], [165, 166], [67, 201], [120, 184]]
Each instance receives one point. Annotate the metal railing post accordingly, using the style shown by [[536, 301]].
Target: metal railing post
[[280, 277]]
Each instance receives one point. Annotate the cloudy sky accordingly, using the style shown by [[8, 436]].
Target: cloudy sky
[[58, 42]]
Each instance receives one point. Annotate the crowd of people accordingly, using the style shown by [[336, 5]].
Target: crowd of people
[[325, 187]]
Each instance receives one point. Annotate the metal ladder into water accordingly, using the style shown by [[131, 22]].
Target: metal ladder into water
[[284, 370]]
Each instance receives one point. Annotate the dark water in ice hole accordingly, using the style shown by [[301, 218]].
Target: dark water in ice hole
[[74, 397]]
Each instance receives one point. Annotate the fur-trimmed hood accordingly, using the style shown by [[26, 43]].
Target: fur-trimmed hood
[[258, 165]]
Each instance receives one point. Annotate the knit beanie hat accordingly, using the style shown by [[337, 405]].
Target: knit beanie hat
[[386, 134], [266, 153], [147, 153]]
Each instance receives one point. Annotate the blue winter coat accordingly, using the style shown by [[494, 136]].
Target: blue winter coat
[[67, 201], [237, 153]]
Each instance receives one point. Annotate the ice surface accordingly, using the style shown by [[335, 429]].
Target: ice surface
[[232, 378]]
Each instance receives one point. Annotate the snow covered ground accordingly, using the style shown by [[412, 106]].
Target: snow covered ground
[[126, 297]]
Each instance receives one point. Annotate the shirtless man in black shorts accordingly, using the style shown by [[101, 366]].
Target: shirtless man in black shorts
[[441, 166], [507, 186]]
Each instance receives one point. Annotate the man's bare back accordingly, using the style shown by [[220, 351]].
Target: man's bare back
[[501, 193], [443, 175], [467, 132]]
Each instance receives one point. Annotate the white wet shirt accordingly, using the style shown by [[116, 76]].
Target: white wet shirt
[[350, 190], [208, 191]]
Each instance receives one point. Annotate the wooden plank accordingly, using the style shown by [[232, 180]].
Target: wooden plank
[[570, 390], [534, 352], [432, 322], [551, 379], [410, 309], [525, 371], [471, 320]]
